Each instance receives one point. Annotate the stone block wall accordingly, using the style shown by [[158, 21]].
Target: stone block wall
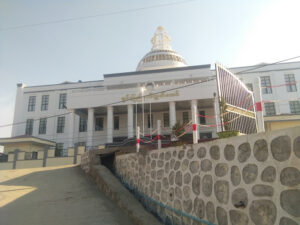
[[251, 179]]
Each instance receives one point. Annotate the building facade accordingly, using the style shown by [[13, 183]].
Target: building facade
[[280, 92], [105, 111], [109, 110]]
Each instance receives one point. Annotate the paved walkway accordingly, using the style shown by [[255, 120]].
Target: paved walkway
[[57, 195]]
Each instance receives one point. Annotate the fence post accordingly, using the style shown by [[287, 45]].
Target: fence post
[[194, 110], [138, 140], [158, 135], [16, 152], [45, 156]]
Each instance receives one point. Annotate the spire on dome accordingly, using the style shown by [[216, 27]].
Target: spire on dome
[[161, 55], [161, 40]]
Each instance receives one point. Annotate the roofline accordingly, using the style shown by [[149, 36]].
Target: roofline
[[27, 139], [267, 64], [27, 136], [45, 85], [64, 89], [157, 71]]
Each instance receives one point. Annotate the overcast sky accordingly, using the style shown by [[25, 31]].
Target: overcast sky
[[233, 32]]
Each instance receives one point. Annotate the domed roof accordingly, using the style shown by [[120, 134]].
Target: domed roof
[[161, 55]]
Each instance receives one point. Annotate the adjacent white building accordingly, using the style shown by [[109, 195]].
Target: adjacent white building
[[109, 110], [280, 92]]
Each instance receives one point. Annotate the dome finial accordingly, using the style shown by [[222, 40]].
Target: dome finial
[[161, 40]]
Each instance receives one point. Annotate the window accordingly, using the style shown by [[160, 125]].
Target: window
[[290, 82], [31, 104], [60, 124], [45, 101], [202, 117], [270, 109], [266, 85], [295, 107], [29, 127], [148, 118], [99, 124], [166, 120], [82, 125], [34, 155], [185, 117], [59, 149], [116, 123], [62, 101], [250, 86], [43, 126]]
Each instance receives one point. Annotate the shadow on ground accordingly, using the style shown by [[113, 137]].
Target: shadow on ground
[[61, 195]]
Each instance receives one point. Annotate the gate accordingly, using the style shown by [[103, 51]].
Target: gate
[[236, 103]]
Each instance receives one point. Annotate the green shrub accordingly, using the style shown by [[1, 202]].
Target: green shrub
[[229, 133]]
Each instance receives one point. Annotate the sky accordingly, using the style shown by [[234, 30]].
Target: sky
[[233, 32]]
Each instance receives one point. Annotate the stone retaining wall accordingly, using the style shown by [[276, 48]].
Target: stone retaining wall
[[253, 179], [113, 188]]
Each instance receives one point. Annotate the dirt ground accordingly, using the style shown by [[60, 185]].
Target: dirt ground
[[52, 196]]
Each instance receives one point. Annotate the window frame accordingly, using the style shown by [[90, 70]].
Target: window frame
[[44, 102], [116, 123], [294, 108], [62, 101], [202, 120], [29, 127], [268, 108], [34, 155], [82, 124], [290, 78], [266, 85], [99, 128], [31, 103], [60, 127], [43, 126]]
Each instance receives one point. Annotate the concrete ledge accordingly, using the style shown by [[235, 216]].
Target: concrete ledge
[[113, 188]]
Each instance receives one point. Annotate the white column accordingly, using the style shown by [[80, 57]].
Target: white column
[[130, 120], [18, 113], [194, 110], [259, 107], [90, 127], [110, 124], [71, 128], [158, 134], [217, 114], [172, 112]]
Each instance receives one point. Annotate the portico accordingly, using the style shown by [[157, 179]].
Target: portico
[[116, 123]]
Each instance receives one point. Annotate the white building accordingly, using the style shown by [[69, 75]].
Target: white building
[[109, 110], [280, 92], [99, 112]]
